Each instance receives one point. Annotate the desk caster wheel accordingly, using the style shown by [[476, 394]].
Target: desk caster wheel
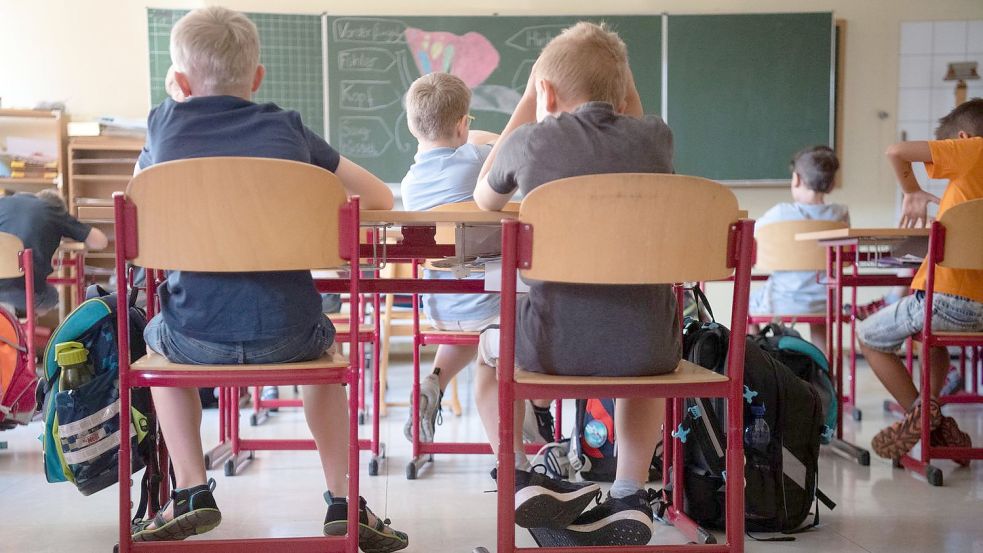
[[858, 415], [361, 419], [933, 475], [230, 467], [411, 471], [480, 550], [373, 467], [863, 459], [253, 420]]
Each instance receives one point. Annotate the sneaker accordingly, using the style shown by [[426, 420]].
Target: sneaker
[[195, 512], [374, 534], [948, 434], [864, 311], [617, 521], [270, 393], [430, 398], [544, 502], [537, 426], [897, 440]]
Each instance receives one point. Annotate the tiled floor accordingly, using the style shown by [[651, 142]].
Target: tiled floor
[[880, 509]]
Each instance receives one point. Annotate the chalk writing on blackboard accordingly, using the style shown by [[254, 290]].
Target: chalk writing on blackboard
[[367, 59], [368, 29], [364, 136], [532, 39], [368, 95]]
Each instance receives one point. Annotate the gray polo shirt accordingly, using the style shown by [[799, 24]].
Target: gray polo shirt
[[590, 330]]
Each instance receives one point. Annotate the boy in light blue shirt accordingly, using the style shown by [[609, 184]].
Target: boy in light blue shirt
[[800, 292], [445, 171]]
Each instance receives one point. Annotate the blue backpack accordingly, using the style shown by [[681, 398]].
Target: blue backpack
[[808, 363], [81, 426]]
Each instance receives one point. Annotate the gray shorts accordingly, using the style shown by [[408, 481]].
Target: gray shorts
[[887, 329]]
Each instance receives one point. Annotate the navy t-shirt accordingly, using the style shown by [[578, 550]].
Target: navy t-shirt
[[236, 307], [40, 226]]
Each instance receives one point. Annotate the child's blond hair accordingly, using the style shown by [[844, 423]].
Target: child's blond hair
[[435, 104], [586, 61], [217, 48]]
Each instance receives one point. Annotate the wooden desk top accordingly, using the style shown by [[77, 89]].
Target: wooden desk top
[[71, 246], [861, 233], [430, 217]]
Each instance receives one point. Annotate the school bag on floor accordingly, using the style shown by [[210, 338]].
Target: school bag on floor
[[17, 381], [81, 426], [780, 473], [593, 442], [808, 363]]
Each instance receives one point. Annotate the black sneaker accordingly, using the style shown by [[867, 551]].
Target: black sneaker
[[544, 422], [195, 512], [621, 521], [374, 534], [544, 502]]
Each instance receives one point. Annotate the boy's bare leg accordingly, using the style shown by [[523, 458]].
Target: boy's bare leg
[[326, 411], [451, 360], [179, 415], [638, 426], [486, 398], [817, 335], [892, 374], [940, 368]]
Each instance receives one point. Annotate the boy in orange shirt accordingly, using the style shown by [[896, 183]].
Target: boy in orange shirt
[[957, 155]]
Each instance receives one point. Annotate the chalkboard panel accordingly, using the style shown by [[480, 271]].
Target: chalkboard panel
[[745, 92], [373, 60]]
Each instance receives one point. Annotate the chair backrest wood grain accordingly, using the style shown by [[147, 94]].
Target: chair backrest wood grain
[[231, 214], [10, 247], [629, 228], [778, 250], [963, 231]]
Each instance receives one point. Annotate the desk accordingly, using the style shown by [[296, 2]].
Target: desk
[[837, 243], [70, 255]]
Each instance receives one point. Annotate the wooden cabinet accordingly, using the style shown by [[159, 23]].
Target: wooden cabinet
[[99, 166], [35, 124]]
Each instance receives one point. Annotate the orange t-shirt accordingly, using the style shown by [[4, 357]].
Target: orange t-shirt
[[960, 161]]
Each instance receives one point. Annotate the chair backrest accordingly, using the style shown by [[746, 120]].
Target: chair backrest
[[629, 228], [778, 250], [446, 234], [963, 227], [10, 247], [226, 214]]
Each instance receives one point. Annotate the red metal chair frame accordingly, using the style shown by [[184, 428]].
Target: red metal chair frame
[[923, 464], [126, 249], [423, 452], [75, 261], [516, 251]]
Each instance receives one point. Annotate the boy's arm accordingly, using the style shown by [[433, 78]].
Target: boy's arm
[[96, 240], [633, 102], [373, 192], [525, 112], [914, 206], [488, 199], [480, 138]]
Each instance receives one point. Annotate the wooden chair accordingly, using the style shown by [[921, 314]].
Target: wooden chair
[[954, 243], [17, 387], [218, 215], [629, 229]]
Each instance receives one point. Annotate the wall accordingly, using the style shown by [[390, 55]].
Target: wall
[[93, 55]]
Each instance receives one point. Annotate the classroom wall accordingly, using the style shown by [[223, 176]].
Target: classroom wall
[[93, 56]]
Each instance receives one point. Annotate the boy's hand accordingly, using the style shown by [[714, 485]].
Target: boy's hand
[[914, 208]]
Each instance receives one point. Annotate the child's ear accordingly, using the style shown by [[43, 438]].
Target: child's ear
[[258, 77], [796, 181], [550, 101], [182, 82], [963, 135]]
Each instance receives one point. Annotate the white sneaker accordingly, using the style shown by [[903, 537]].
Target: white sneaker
[[430, 397]]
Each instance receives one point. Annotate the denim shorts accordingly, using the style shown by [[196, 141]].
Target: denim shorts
[[178, 348], [887, 329]]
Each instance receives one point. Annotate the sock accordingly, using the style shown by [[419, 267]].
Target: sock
[[623, 488], [521, 461]]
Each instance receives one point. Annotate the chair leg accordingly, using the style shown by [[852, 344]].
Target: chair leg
[[387, 328]]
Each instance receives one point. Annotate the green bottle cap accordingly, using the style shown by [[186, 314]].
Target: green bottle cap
[[70, 353]]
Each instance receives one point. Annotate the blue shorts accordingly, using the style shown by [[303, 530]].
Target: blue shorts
[[178, 348], [887, 329]]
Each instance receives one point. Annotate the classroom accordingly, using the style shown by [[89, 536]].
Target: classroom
[[461, 278]]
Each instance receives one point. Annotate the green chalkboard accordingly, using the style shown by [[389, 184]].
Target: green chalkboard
[[745, 92], [290, 48], [373, 60]]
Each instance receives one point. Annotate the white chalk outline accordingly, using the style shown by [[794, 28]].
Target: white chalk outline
[[510, 41], [377, 49], [341, 91], [344, 119], [338, 38]]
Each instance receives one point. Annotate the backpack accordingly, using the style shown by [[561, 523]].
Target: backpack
[[17, 379], [781, 480], [593, 442], [808, 363], [81, 426]]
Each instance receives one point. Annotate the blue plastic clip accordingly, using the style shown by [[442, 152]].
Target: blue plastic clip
[[749, 394], [695, 412], [724, 474], [681, 433]]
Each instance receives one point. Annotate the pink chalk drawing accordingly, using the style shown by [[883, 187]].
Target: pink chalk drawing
[[470, 56]]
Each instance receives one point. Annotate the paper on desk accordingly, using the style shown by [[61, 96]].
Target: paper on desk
[[493, 278]]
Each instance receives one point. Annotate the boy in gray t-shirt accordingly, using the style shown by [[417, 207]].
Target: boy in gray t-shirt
[[589, 120]]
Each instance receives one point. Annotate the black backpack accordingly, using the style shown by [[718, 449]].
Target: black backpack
[[593, 442], [781, 480]]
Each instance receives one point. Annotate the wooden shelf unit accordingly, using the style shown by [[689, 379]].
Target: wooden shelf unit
[[97, 167], [21, 120]]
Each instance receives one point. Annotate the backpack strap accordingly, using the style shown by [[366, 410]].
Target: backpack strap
[[700, 297]]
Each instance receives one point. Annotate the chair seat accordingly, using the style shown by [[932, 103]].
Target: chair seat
[[157, 362], [685, 373]]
